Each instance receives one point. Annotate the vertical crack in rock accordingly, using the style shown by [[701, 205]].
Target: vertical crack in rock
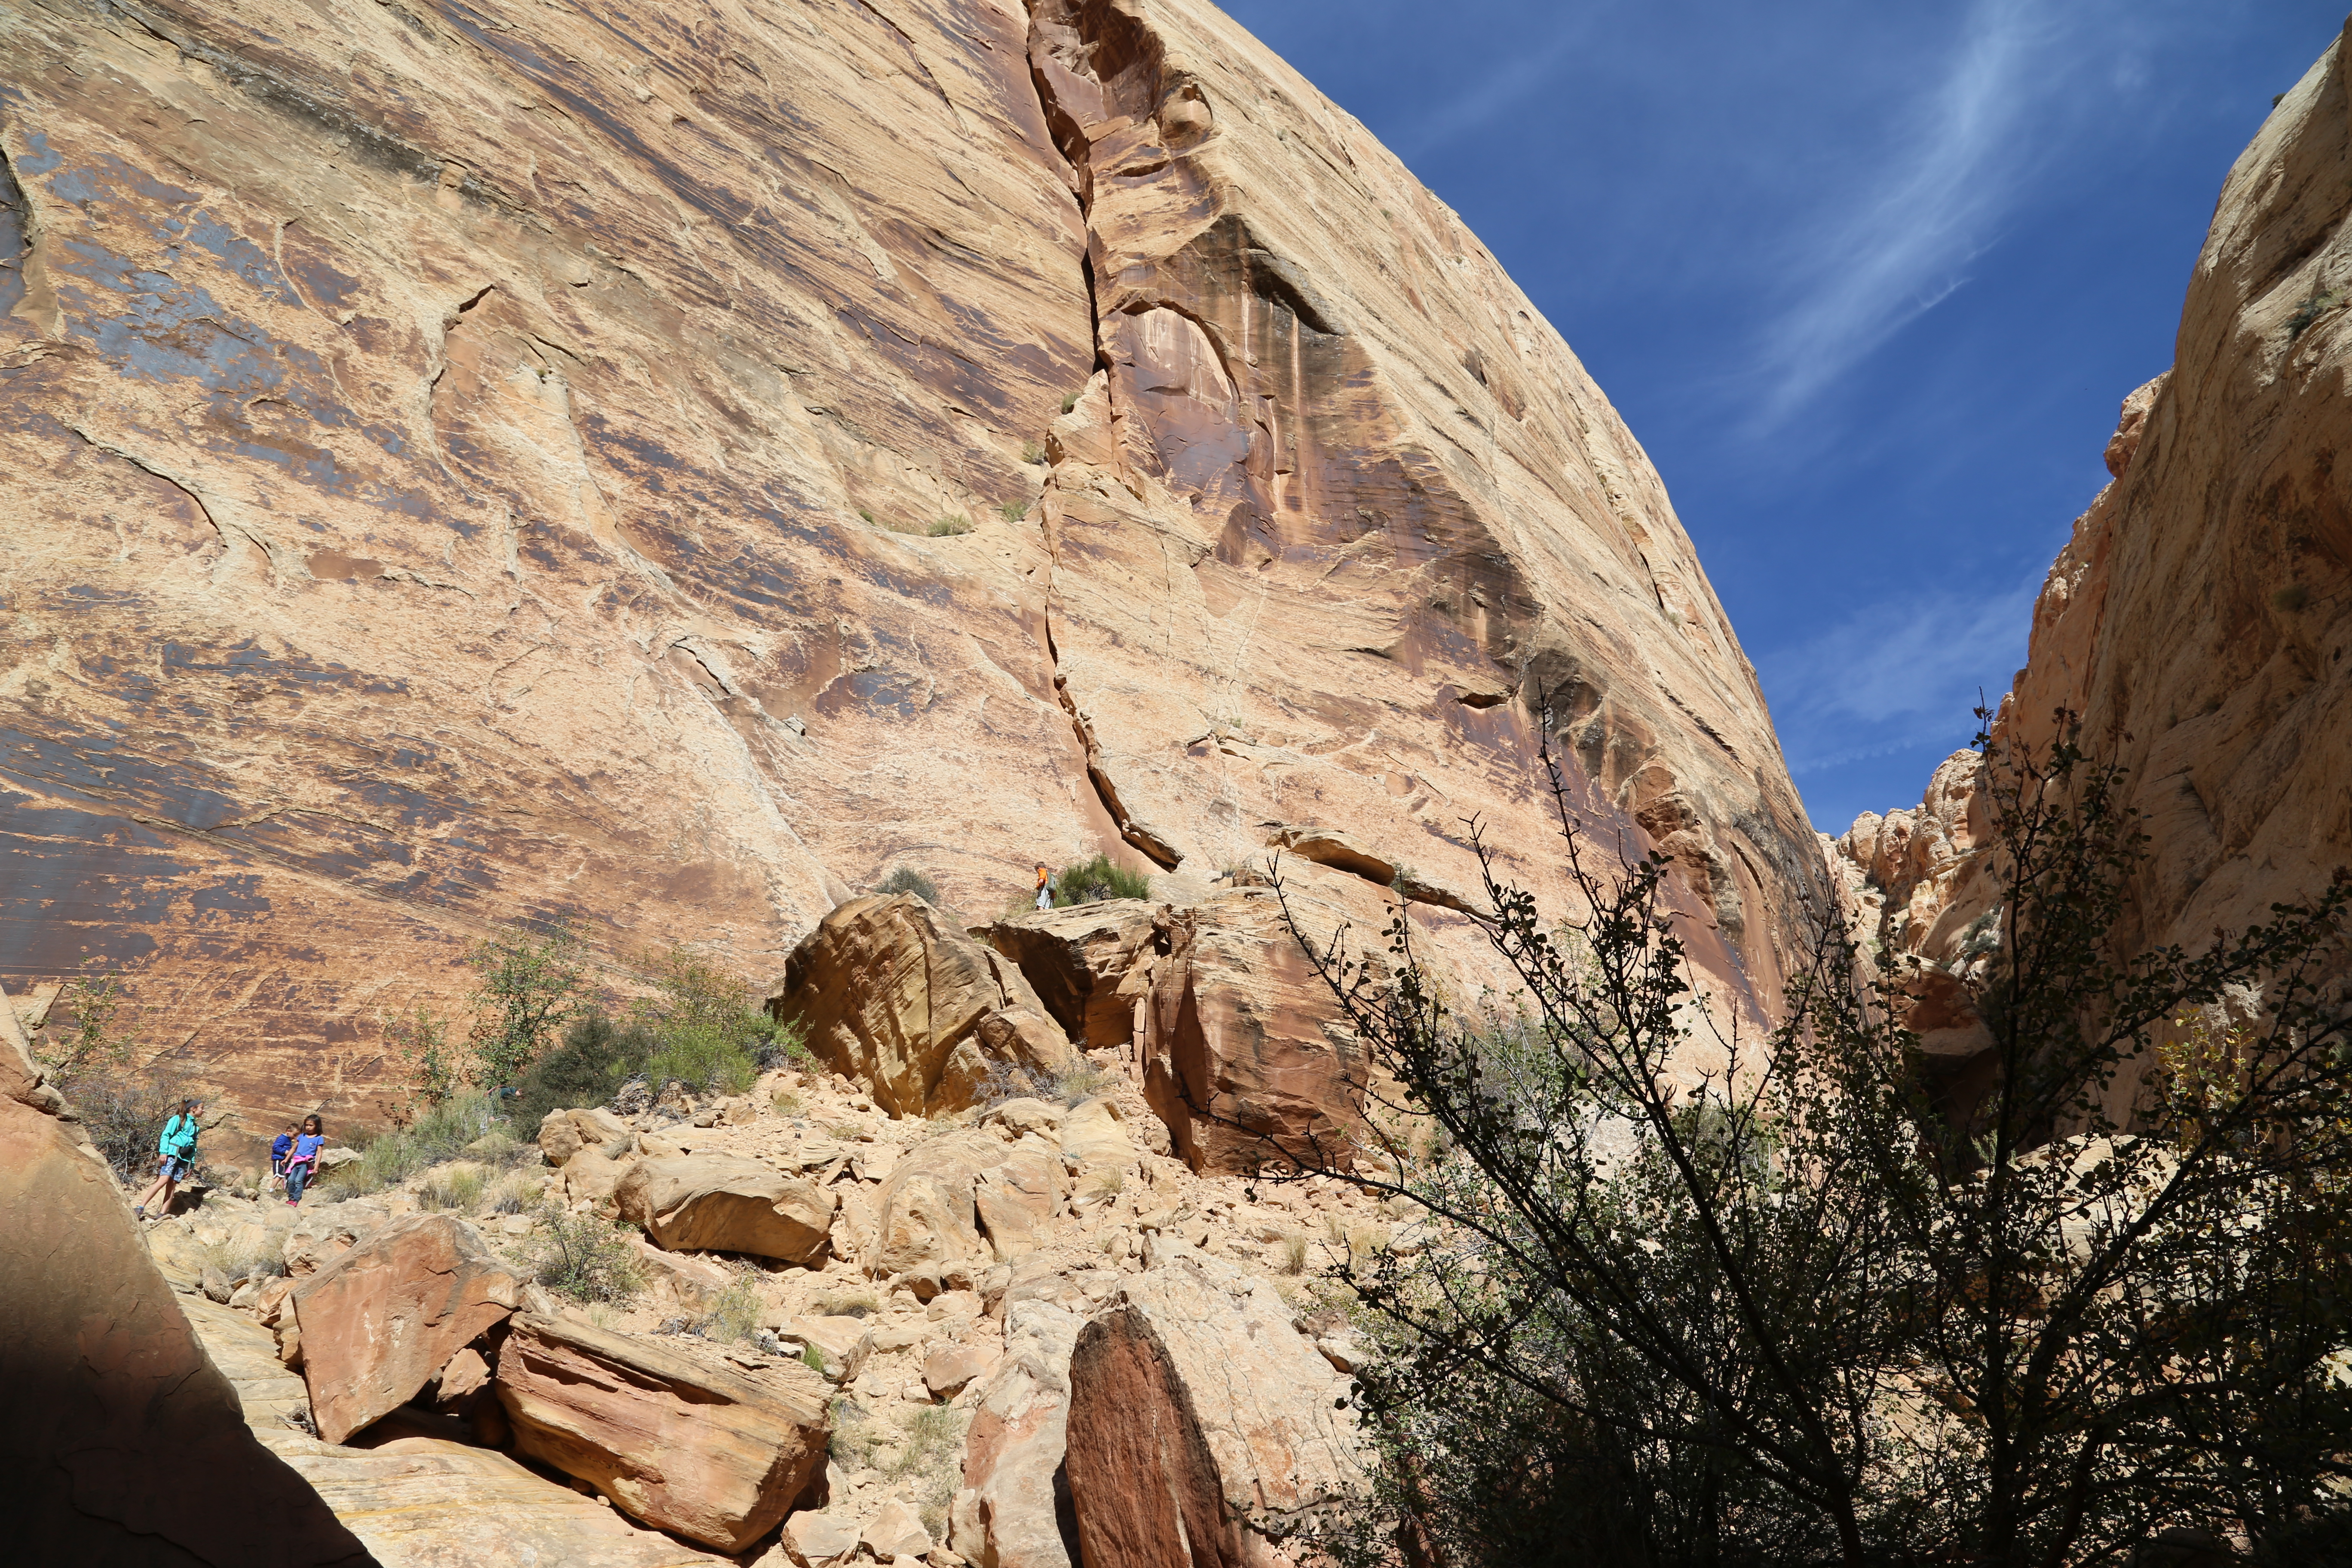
[[1070, 139]]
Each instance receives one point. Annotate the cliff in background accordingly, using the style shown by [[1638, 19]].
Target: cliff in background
[[2199, 618], [480, 462]]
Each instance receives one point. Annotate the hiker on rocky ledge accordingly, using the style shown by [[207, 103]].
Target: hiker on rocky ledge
[[1044, 886], [302, 1163], [177, 1148]]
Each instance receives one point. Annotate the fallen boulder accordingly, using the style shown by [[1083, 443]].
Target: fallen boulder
[[820, 1535], [120, 1442], [1203, 1427], [1332, 848], [687, 1440], [896, 996], [718, 1203], [1015, 1508], [1089, 964], [563, 1133], [383, 1320], [1245, 1051], [1017, 1200]]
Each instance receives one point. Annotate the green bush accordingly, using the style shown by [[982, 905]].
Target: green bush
[[596, 1058], [1092, 881], [732, 1316], [531, 989], [438, 1136], [452, 1189], [1013, 511], [907, 879], [586, 1260], [705, 1059], [946, 527]]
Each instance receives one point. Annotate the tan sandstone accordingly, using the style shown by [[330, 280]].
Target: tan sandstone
[[383, 1320], [713, 1451], [510, 491], [722, 1203]]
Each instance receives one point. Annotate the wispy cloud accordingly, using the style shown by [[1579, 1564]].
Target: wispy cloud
[[1899, 240], [1895, 676], [1498, 91]]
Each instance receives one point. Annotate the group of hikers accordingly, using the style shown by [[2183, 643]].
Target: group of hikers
[[293, 1157]]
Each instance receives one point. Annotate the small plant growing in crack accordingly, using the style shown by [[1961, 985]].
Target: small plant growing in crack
[[1031, 453], [945, 527], [1013, 510], [2317, 305], [1069, 401]]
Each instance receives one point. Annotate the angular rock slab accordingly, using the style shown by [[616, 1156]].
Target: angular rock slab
[[895, 995], [383, 1320], [1015, 1508], [421, 1502], [1245, 1053], [120, 1442], [563, 1133], [690, 1442], [718, 1203], [1201, 1426], [1089, 963]]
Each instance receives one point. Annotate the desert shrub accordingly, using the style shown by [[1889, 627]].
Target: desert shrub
[[707, 1028], [946, 527], [930, 1455], [704, 1059], [596, 1058], [123, 1110], [813, 1359], [785, 1102], [442, 1134], [430, 1071], [512, 1194], [1031, 452], [854, 1303], [531, 988], [731, 1316], [262, 1258], [586, 1259], [1818, 1309], [1294, 1254], [907, 879], [458, 1188], [1082, 1080], [1092, 881], [1013, 511], [1069, 401]]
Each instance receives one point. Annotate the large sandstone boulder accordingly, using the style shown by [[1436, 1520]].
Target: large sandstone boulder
[[120, 1442], [1090, 965], [1201, 1426], [1018, 1200], [381, 1320], [563, 1133], [894, 994], [1246, 1053], [927, 1209], [719, 1203], [686, 1441], [1015, 1508]]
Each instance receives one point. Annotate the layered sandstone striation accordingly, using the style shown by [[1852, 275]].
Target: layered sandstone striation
[[480, 463], [2198, 621]]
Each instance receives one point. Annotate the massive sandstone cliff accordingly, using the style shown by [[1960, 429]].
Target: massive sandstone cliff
[[478, 462], [2198, 619]]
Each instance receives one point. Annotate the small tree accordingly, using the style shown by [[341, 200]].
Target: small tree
[[430, 1072], [530, 988], [1689, 1298]]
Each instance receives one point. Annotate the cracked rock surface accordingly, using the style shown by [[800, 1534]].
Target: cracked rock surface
[[668, 465]]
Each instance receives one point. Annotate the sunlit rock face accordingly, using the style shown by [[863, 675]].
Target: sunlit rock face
[[472, 463], [2198, 619]]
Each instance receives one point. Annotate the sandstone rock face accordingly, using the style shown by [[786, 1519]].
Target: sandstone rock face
[[688, 1443], [1202, 1427], [475, 466], [1015, 1508], [2198, 620], [381, 1320], [1090, 965], [892, 994], [1244, 1042], [722, 1203], [121, 1442]]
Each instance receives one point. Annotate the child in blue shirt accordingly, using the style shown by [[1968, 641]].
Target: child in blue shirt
[[281, 1149], [302, 1162]]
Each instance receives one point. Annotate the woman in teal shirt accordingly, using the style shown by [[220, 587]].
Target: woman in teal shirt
[[178, 1149]]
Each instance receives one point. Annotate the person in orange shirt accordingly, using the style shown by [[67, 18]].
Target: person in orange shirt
[[1045, 887]]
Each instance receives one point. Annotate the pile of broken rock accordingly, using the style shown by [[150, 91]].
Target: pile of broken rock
[[1022, 1332]]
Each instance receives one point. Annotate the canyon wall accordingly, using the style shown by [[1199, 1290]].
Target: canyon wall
[[663, 467], [2199, 618]]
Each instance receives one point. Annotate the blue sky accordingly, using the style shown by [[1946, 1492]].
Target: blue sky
[[1868, 280]]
